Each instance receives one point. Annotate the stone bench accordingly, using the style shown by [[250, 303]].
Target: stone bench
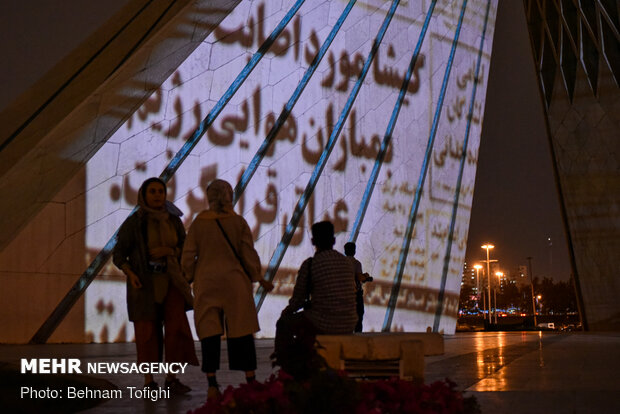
[[376, 355]]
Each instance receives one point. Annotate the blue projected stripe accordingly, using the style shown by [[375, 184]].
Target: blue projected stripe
[[389, 314], [278, 254], [286, 111], [455, 206], [50, 324], [178, 159], [58, 314], [361, 212]]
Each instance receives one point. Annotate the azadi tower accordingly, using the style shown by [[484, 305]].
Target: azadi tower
[[367, 113], [576, 51]]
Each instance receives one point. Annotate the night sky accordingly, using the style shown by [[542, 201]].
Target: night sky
[[516, 205]]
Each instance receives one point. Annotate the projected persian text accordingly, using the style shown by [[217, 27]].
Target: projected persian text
[[157, 130]]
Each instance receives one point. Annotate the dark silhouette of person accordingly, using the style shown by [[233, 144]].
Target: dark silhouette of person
[[360, 279], [332, 285], [325, 290]]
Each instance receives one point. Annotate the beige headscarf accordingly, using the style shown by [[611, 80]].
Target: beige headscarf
[[165, 232], [220, 196], [169, 206]]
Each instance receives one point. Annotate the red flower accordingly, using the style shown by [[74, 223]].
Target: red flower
[[281, 394]]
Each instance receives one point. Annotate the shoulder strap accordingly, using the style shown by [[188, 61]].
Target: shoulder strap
[[233, 249]]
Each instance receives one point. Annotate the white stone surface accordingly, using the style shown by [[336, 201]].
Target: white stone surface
[[161, 126]]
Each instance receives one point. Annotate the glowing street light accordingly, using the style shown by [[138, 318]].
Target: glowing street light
[[487, 247]]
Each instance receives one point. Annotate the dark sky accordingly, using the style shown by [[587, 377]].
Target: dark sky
[[515, 201], [516, 205]]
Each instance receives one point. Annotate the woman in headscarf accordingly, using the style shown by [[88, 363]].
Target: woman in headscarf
[[220, 258], [148, 249]]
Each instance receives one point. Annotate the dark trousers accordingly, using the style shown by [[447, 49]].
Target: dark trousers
[[241, 353]]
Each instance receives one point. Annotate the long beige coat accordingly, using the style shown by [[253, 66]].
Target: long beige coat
[[221, 287]]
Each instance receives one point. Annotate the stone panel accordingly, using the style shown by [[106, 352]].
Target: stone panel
[[585, 136]]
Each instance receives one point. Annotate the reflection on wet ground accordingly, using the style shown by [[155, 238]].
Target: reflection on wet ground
[[533, 372], [491, 353]]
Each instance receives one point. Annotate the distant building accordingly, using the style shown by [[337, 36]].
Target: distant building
[[468, 278]]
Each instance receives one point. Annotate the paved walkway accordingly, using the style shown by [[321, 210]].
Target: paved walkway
[[508, 372]]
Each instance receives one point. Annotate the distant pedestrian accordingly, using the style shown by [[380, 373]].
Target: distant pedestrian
[[360, 279]]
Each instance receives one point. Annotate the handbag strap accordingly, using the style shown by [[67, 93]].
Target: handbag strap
[[233, 249]]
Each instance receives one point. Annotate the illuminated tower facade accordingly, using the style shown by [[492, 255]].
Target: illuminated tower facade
[[366, 113]]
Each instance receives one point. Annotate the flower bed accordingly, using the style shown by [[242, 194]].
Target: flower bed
[[305, 384], [329, 391]]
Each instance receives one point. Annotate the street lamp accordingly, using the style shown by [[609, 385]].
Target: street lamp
[[488, 246], [499, 276]]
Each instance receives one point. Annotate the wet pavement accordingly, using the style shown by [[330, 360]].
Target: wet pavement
[[508, 372]]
